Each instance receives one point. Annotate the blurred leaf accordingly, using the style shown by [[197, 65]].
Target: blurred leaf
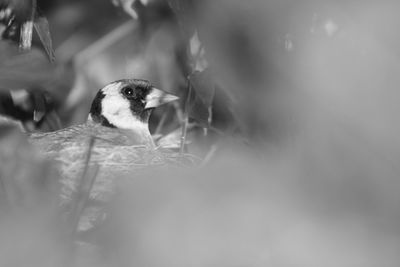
[[197, 52], [127, 6], [26, 178], [43, 31], [19, 26], [35, 109], [203, 95], [23, 70], [204, 86], [184, 10], [176, 6], [26, 32], [39, 107], [172, 140], [26, 29], [22, 9]]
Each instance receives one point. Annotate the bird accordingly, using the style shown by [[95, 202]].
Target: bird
[[118, 116], [116, 136]]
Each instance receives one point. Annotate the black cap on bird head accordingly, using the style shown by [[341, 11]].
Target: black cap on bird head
[[127, 104]]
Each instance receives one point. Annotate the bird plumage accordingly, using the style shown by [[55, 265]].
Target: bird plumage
[[118, 124], [79, 135], [118, 115]]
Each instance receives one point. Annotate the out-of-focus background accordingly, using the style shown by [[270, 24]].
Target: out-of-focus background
[[292, 107]]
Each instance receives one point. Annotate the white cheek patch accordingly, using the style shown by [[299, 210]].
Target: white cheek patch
[[112, 88], [116, 109]]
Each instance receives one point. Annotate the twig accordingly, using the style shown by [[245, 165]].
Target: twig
[[178, 111], [186, 118], [87, 181], [209, 120], [209, 155], [85, 186]]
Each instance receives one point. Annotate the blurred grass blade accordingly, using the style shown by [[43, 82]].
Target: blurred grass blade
[[40, 107], [210, 155], [25, 42], [26, 36], [86, 183], [43, 30], [204, 91], [186, 118]]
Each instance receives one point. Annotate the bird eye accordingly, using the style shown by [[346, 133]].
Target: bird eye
[[128, 92]]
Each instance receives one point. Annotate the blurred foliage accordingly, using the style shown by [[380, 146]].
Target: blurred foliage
[[19, 18], [292, 108]]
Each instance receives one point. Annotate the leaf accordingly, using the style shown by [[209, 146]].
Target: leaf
[[43, 30], [199, 112], [23, 70], [204, 86], [203, 96], [25, 42], [199, 61]]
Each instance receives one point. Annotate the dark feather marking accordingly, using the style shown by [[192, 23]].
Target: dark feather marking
[[96, 113], [137, 102]]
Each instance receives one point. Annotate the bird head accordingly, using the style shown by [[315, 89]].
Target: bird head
[[127, 104]]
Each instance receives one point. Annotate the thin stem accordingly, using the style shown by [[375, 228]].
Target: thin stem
[[86, 184], [186, 117], [161, 122], [209, 155]]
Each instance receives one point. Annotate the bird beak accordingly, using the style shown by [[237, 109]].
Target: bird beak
[[157, 97]]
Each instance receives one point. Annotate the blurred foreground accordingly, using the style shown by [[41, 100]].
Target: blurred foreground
[[307, 176]]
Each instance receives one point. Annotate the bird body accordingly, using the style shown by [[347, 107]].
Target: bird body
[[118, 125], [79, 136], [119, 115]]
